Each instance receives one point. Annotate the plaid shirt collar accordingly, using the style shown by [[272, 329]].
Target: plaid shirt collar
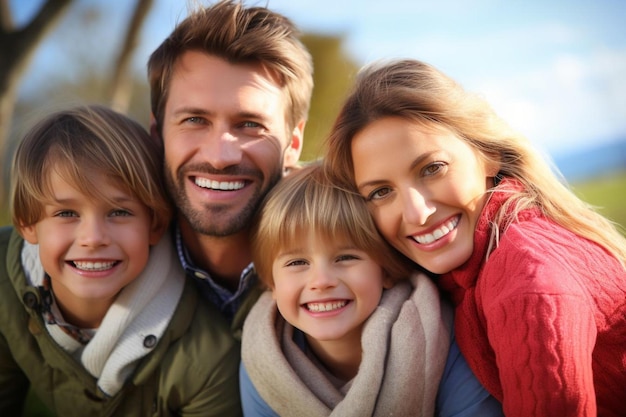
[[224, 299]]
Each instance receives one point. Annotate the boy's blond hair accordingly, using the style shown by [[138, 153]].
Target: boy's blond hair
[[306, 202], [86, 146]]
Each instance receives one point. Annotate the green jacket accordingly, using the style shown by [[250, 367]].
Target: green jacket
[[247, 303], [193, 370]]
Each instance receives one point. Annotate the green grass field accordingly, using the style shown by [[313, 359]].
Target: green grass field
[[608, 195]]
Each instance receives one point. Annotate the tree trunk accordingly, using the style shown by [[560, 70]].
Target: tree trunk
[[17, 48], [121, 83]]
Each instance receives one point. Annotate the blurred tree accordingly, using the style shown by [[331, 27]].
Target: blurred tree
[[92, 66], [121, 86], [333, 75], [85, 82], [17, 48]]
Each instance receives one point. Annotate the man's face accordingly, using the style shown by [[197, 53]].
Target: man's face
[[226, 141]]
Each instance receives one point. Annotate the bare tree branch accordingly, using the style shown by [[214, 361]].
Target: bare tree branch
[[121, 81], [17, 47], [6, 22]]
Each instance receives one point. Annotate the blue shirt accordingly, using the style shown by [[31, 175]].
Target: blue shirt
[[225, 300], [459, 395]]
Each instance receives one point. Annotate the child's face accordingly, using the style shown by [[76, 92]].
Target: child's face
[[327, 288], [91, 249]]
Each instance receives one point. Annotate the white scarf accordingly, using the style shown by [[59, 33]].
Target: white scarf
[[405, 345], [143, 308]]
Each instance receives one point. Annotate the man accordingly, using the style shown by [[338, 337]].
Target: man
[[230, 93]]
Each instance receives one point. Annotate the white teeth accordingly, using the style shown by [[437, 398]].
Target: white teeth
[[320, 307], [94, 266], [437, 234], [217, 185]]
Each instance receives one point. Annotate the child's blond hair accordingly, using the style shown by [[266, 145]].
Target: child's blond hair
[[307, 202], [86, 146]]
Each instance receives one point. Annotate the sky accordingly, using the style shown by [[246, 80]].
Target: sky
[[554, 69]]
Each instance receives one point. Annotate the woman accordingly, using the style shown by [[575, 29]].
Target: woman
[[538, 277]]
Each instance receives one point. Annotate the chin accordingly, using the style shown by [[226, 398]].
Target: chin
[[445, 266]]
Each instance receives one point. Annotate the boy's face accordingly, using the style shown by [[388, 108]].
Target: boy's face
[[327, 288], [91, 249]]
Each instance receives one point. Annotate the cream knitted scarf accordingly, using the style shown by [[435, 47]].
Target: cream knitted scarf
[[143, 308], [405, 344]]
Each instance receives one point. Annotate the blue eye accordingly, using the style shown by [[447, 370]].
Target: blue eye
[[296, 262], [250, 124], [194, 120], [120, 213], [66, 213]]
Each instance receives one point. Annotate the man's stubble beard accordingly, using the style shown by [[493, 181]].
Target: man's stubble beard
[[215, 219]]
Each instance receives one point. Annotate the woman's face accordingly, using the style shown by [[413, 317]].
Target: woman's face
[[425, 188]]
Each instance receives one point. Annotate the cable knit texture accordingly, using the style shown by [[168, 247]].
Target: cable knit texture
[[405, 344], [542, 322], [143, 308]]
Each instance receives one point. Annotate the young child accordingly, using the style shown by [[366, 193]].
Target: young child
[[343, 331], [96, 316]]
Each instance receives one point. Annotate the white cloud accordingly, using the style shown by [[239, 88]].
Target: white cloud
[[572, 103]]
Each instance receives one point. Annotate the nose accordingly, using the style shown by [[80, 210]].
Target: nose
[[322, 277], [93, 232], [417, 207], [222, 149]]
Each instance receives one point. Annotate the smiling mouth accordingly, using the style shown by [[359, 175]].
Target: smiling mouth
[[94, 266], [324, 307], [219, 185], [437, 233]]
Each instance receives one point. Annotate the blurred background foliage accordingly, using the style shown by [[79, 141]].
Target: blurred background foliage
[[88, 73], [93, 77], [95, 65]]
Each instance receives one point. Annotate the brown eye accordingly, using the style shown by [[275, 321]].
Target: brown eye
[[433, 168], [378, 193]]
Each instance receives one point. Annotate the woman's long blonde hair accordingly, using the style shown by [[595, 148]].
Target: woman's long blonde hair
[[419, 93]]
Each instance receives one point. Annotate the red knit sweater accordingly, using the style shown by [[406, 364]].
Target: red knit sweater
[[542, 323]]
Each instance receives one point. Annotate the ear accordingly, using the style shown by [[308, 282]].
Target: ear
[[387, 281], [153, 126], [294, 148], [492, 169], [157, 229], [29, 233], [492, 165]]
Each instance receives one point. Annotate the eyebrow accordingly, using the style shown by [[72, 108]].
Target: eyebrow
[[70, 200], [295, 251], [202, 112], [416, 162], [190, 110]]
